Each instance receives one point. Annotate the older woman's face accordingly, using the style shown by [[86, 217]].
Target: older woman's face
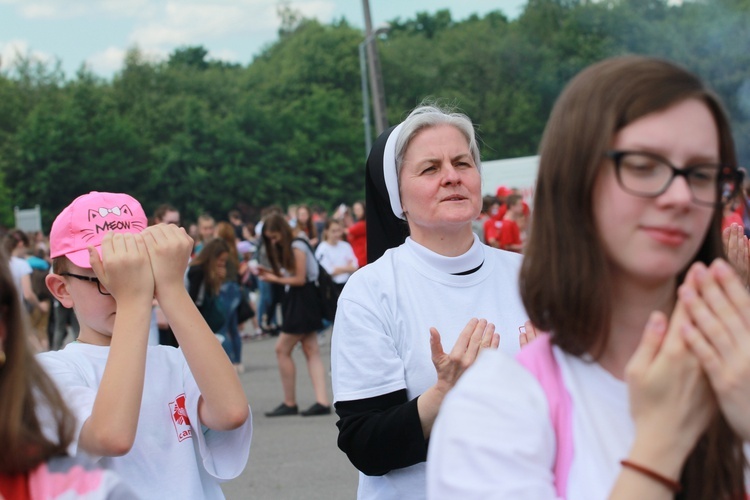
[[440, 184]]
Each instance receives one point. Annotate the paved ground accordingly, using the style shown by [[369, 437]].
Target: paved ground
[[291, 457]]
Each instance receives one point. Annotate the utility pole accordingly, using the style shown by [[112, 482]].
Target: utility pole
[[376, 78], [365, 98]]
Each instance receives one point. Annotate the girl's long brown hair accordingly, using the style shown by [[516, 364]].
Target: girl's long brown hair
[[564, 281], [308, 227], [207, 258], [13, 238], [225, 231], [280, 255], [25, 388]]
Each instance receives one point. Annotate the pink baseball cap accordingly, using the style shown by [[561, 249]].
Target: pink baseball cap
[[84, 223]]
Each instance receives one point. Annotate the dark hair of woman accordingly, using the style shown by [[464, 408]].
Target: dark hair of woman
[[13, 238], [566, 291], [280, 254], [24, 389], [225, 231], [308, 226], [207, 258], [364, 210]]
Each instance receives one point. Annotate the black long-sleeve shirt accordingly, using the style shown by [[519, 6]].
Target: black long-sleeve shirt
[[381, 433]]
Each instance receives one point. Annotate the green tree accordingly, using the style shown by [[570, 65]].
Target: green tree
[[74, 144], [207, 135], [192, 57], [308, 86]]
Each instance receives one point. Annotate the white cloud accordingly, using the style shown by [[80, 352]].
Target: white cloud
[[66, 9], [318, 9], [156, 35], [177, 21], [184, 23], [111, 60], [127, 8], [106, 62], [36, 11], [12, 49], [53, 9], [157, 27]]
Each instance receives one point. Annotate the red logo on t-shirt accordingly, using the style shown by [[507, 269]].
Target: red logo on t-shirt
[[180, 418]]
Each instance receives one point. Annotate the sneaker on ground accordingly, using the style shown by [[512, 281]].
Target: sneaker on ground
[[283, 410], [316, 409]]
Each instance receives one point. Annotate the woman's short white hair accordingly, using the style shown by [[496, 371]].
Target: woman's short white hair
[[431, 115]]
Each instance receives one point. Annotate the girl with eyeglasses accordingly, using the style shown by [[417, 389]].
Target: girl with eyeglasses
[[641, 388]]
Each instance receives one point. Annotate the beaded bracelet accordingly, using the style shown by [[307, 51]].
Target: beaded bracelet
[[673, 486]]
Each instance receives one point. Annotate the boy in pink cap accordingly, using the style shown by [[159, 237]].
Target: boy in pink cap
[[170, 421]]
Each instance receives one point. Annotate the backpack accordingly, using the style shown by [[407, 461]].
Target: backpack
[[539, 359], [328, 292]]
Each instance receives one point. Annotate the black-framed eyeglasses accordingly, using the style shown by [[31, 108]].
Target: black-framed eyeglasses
[[92, 279], [650, 175]]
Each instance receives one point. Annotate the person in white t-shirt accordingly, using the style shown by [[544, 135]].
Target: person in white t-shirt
[[16, 244], [642, 386], [336, 256], [390, 371], [171, 421], [36, 426]]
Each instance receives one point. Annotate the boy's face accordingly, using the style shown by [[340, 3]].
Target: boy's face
[[95, 312], [206, 229]]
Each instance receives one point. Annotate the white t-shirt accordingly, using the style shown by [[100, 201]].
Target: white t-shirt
[[494, 439], [18, 269], [381, 338], [172, 456], [338, 255]]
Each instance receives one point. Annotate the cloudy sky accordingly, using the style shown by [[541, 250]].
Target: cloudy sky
[[98, 32]]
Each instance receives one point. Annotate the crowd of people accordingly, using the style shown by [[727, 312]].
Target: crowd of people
[[29, 259], [593, 345]]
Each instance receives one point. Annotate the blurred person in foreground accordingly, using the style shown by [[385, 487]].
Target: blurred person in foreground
[[641, 389], [36, 427]]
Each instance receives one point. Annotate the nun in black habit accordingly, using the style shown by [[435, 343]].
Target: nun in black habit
[[428, 280]]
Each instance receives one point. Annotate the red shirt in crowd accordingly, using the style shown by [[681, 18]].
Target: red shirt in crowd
[[510, 235], [356, 235]]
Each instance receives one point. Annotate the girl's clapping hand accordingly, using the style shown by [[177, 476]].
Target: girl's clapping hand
[[719, 307]]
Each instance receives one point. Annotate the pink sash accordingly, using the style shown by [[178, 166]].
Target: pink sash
[[537, 357]]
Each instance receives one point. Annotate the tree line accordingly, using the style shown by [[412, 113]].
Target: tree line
[[208, 136]]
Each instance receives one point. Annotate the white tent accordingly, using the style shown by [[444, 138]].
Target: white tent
[[517, 173], [28, 220]]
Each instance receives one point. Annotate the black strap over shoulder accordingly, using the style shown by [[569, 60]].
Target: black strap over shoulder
[[327, 289]]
